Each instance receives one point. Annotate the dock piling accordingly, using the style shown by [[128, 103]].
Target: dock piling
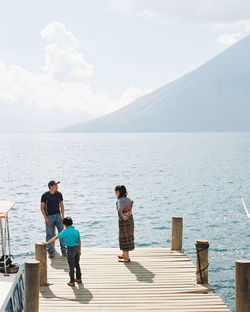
[[202, 261], [40, 253], [177, 230], [31, 286], [242, 285]]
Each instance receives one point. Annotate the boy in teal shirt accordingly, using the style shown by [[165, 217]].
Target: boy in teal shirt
[[72, 240]]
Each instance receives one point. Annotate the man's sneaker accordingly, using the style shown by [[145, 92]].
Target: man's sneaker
[[51, 255], [64, 253]]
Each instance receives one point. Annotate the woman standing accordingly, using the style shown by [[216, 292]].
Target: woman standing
[[126, 222]]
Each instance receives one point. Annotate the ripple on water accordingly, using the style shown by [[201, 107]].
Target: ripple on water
[[218, 250], [160, 228]]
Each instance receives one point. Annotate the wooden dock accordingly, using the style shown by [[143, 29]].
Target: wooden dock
[[157, 279]]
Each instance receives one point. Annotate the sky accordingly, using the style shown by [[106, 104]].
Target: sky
[[63, 62]]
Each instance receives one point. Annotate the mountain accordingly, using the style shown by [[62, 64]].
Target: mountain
[[214, 97]]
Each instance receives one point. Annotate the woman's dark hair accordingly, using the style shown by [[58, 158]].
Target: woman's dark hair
[[122, 190], [67, 221]]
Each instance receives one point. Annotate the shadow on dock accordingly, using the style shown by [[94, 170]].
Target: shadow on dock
[[59, 265], [142, 274], [82, 295]]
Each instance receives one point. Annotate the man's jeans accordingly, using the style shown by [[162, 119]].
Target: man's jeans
[[73, 256], [54, 219]]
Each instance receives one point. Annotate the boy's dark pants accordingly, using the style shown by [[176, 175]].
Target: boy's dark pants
[[73, 256]]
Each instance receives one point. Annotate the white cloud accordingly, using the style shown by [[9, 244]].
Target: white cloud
[[230, 15], [246, 24], [187, 11], [229, 39], [128, 96], [147, 14], [63, 60], [65, 81], [56, 32]]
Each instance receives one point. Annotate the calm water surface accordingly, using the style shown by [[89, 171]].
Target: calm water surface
[[200, 176]]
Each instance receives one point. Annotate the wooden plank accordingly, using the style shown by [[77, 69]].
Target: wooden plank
[[157, 279]]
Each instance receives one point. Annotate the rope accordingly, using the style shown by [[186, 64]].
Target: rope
[[199, 248]]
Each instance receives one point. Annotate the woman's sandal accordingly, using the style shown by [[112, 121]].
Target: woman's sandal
[[120, 257], [71, 284], [124, 260], [78, 281]]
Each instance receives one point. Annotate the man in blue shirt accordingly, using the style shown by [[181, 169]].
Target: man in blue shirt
[[72, 240], [53, 211]]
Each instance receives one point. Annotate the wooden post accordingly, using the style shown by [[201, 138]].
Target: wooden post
[[40, 252], [177, 226], [242, 285], [31, 286], [54, 234], [202, 261]]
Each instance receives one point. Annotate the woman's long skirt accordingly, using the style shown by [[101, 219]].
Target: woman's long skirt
[[126, 234]]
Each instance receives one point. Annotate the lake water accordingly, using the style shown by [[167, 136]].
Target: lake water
[[199, 176]]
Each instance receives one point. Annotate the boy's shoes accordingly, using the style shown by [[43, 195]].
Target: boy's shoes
[[79, 281], [71, 284], [51, 255], [124, 260], [64, 253]]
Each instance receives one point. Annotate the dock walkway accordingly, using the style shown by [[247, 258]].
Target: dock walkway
[[157, 279]]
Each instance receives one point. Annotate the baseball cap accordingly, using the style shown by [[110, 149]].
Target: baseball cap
[[53, 182]]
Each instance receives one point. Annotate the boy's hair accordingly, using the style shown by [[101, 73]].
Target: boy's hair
[[67, 221], [122, 190]]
